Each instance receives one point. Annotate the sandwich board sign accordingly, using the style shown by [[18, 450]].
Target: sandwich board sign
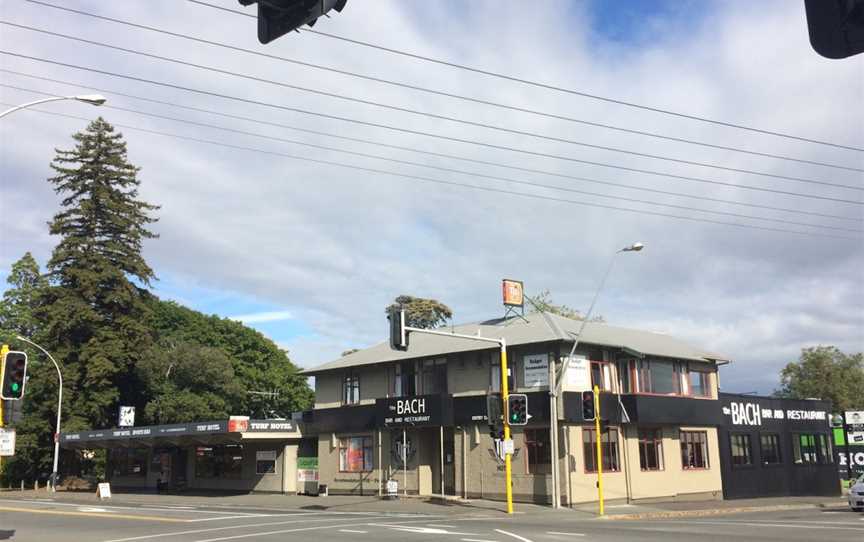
[[103, 491], [7, 442]]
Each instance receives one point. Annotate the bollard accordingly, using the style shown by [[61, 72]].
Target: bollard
[[36, 485], [22, 485]]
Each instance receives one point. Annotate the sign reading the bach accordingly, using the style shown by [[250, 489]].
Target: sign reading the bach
[[418, 410], [758, 413]]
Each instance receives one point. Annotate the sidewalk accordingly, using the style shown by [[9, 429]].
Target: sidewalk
[[414, 505]]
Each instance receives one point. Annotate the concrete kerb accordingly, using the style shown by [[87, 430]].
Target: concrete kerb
[[672, 514]]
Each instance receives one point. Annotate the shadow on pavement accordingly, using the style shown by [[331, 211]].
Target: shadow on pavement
[[6, 535]]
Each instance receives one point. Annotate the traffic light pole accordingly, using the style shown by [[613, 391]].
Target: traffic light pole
[[3, 350], [508, 472], [59, 408], [599, 447]]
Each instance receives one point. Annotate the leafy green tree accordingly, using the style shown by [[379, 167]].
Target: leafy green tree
[[188, 382], [827, 373], [421, 312], [257, 362], [18, 307], [543, 303], [95, 308]]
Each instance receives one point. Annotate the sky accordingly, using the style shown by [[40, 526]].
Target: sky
[[310, 253]]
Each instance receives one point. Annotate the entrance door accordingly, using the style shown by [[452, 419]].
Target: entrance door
[[178, 474], [449, 462], [166, 469]]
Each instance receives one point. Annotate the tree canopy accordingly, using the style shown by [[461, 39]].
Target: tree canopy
[[421, 312], [543, 303], [827, 373]]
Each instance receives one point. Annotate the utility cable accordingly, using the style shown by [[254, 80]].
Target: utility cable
[[442, 93], [427, 114], [453, 183], [548, 86], [438, 136], [422, 151], [452, 170]]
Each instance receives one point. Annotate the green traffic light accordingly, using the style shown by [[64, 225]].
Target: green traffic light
[[14, 386]]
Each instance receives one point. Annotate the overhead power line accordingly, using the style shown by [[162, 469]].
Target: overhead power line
[[457, 120], [549, 86], [429, 134], [422, 151], [453, 170], [453, 183], [444, 93]]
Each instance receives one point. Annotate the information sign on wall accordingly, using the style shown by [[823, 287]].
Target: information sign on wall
[[536, 370], [578, 377]]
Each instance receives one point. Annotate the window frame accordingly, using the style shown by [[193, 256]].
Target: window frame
[[685, 438], [222, 468], [366, 460], [604, 448], [539, 448], [775, 437], [656, 441], [354, 378], [822, 452], [744, 442]]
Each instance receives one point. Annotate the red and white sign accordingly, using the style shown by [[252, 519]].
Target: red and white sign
[[514, 293]]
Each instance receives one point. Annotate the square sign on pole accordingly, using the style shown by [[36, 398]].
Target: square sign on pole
[[7, 442]]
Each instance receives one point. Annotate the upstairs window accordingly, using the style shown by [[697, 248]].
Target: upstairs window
[[434, 376], [404, 381], [601, 375], [351, 389], [698, 383]]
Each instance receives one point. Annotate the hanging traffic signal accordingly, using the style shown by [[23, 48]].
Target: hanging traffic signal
[[278, 17], [517, 409], [398, 333], [588, 413], [836, 27], [14, 372]]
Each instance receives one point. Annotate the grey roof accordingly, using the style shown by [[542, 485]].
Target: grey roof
[[516, 331]]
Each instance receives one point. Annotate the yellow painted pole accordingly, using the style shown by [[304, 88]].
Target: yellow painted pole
[[508, 471], [3, 350], [599, 446]]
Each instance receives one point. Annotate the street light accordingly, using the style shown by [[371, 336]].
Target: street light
[[92, 99], [59, 407], [559, 378]]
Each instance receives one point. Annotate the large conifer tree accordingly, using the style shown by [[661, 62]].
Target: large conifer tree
[[95, 307]]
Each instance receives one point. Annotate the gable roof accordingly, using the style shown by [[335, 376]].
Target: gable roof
[[535, 328]]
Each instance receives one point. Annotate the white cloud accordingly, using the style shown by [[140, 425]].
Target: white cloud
[[260, 317], [337, 245]]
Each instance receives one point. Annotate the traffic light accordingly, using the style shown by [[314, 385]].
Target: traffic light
[[278, 17], [836, 27], [517, 409], [14, 371], [398, 333], [588, 413]]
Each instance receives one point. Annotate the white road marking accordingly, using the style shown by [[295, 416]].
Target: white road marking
[[424, 530], [86, 509], [352, 531], [113, 507], [245, 516], [228, 527], [441, 526], [516, 536], [476, 540], [782, 525], [565, 534], [284, 531]]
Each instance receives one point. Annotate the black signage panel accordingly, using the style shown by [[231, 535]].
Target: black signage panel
[[179, 429], [747, 411], [416, 411]]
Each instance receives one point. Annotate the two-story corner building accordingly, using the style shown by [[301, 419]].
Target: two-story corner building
[[419, 416]]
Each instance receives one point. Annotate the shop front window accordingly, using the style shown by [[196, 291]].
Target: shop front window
[[739, 446], [694, 450], [811, 449], [129, 462], [770, 444], [650, 449], [221, 461], [608, 447], [537, 444], [355, 454]]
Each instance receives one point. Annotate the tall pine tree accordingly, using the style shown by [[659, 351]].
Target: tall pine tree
[[95, 307]]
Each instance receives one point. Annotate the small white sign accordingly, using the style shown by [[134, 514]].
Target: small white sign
[[854, 417], [536, 370], [127, 416], [509, 447], [392, 488], [578, 375], [103, 491], [265, 455], [7, 442]]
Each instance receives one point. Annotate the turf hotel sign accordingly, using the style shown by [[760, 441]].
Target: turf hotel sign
[[420, 410]]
